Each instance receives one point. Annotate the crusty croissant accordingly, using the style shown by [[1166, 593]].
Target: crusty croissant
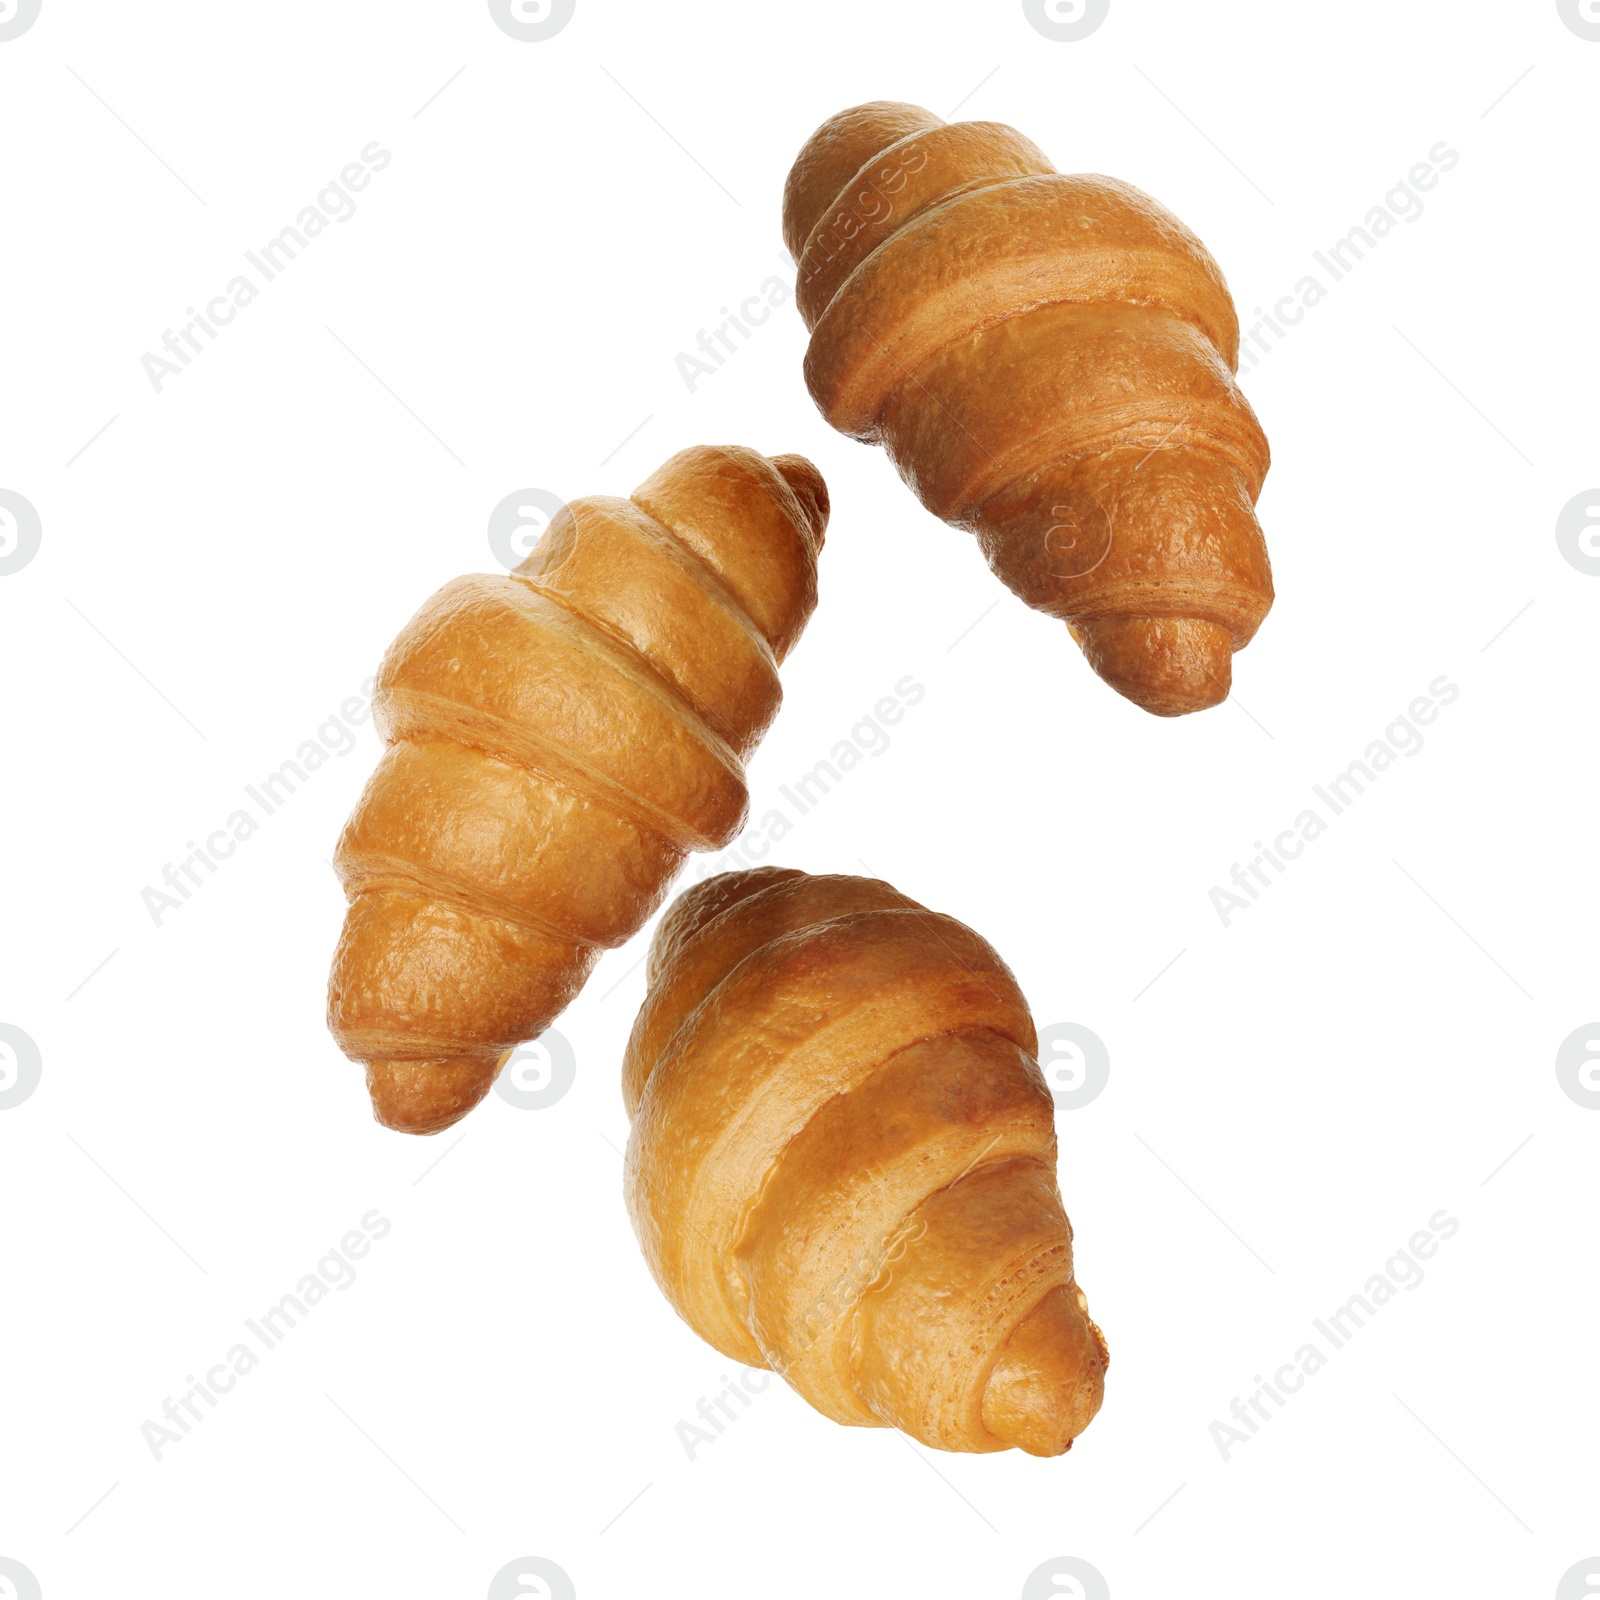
[[1049, 362], [842, 1163], [557, 740]]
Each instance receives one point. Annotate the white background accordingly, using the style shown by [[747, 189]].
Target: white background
[[1289, 1100]]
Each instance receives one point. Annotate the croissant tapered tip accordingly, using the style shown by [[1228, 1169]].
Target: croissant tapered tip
[[1169, 666], [1050, 1378], [809, 488], [429, 1096], [833, 155]]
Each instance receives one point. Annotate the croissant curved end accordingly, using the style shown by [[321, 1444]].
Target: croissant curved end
[[809, 489], [429, 1096], [1168, 666], [1050, 1378], [834, 153]]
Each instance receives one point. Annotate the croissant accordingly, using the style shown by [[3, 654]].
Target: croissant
[[557, 740], [1049, 362], [842, 1162]]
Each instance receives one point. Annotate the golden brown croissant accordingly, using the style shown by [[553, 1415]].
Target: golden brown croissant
[[557, 740], [1049, 362], [842, 1163]]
